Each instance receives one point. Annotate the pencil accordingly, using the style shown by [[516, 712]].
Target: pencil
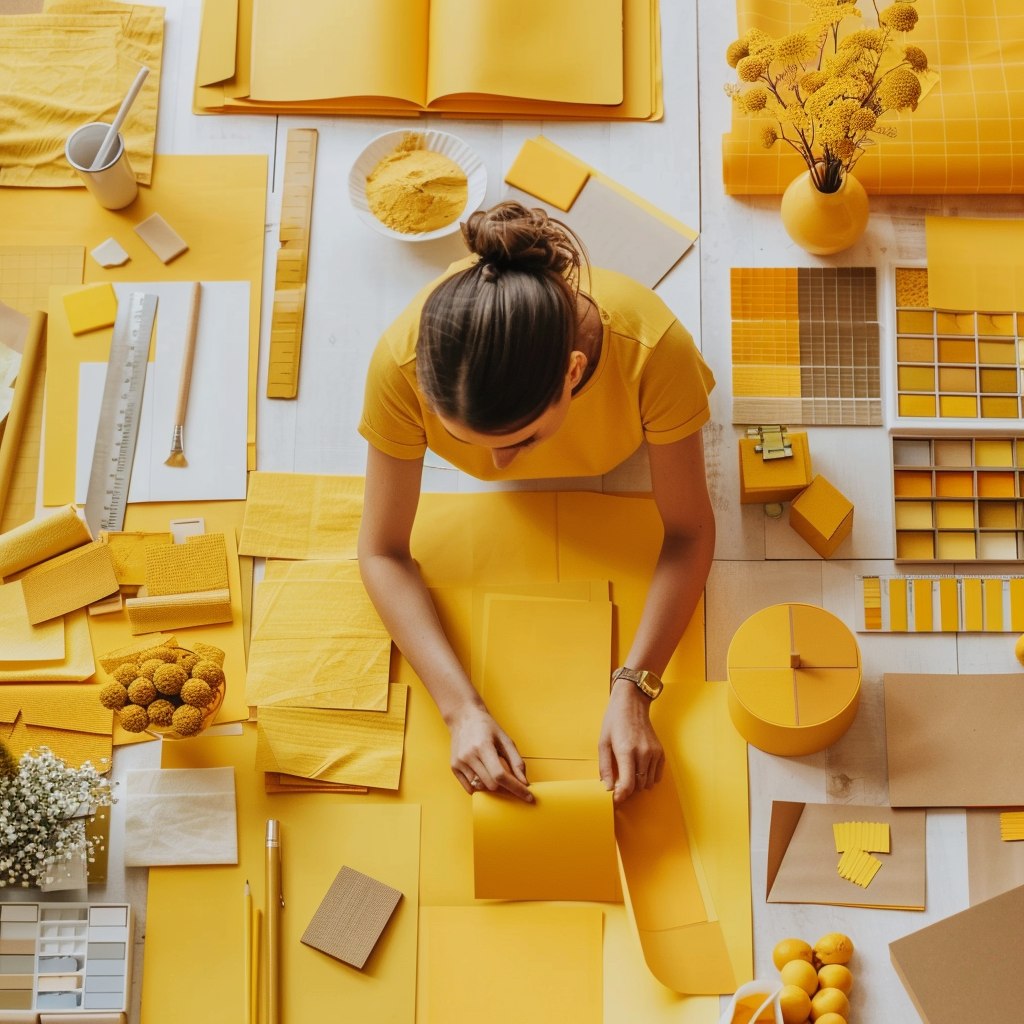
[[248, 954], [254, 972], [274, 903]]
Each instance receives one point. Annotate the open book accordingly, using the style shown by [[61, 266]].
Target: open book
[[487, 58]]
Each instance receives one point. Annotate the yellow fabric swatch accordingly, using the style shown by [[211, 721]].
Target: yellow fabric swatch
[[560, 848], [360, 748], [91, 307], [545, 673], [69, 581], [319, 834], [68, 66], [544, 174], [317, 644], [530, 963], [975, 263], [19, 639], [40, 539], [75, 665], [1011, 826], [297, 515], [314, 569], [128, 552], [178, 611], [198, 564]]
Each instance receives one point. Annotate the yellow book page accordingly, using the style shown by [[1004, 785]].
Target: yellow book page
[[347, 48], [568, 52]]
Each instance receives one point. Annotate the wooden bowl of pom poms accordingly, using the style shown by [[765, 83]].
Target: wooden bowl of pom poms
[[167, 691]]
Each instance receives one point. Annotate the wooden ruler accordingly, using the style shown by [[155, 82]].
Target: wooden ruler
[[118, 428], [292, 262]]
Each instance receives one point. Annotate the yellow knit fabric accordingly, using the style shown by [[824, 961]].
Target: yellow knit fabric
[[178, 611], [40, 539], [69, 581], [198, 564]]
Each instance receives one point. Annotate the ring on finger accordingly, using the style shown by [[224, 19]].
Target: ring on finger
[[640, 775], [475, 782]]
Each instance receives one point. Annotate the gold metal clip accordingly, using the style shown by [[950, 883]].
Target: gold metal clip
[[774, 442]]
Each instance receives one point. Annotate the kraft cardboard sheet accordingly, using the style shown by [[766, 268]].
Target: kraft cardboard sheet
[[993, 865], [975, 263]]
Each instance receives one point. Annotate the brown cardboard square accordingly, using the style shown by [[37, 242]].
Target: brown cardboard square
[[967, 967], [349, 921], [955, 741], [161, 238], [993, 866]]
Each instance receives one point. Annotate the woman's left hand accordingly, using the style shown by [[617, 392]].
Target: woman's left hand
[[629, 751]]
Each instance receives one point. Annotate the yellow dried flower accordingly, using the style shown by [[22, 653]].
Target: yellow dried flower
[[813, 81], [736, 52], [828, 12], [844, 148], [795, 48], [113, 696], [187, 720], [865, 39], [127, 673], [755, 100], [862, 120], [900, 17], [141, 692], [899, 89], [197, 693], [769, 136], [169, 679], [795, 115], [133, 718], [160, 712], [759, 42], [750, 69], [916, 57]]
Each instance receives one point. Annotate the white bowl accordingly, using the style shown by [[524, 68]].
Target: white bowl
[[438, 142]]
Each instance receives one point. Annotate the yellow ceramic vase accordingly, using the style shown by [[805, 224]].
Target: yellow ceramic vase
[[824, 222]]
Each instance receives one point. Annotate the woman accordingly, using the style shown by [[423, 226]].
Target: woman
[[509, 369]]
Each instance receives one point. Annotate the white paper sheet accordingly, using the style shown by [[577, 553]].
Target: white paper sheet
[[216, 423]]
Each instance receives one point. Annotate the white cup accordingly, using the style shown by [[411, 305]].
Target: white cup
[[114, 184]]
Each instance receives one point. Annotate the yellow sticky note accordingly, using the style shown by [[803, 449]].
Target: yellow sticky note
[[19, 639], [91, 308], [547, 175], [530, 963], [562, 847]]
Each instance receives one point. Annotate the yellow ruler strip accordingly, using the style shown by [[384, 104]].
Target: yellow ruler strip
[[292, 262]]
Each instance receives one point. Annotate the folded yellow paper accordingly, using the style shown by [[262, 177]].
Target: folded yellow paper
[[128, 552], [198, 564], [361, 748], [178, 611], [297, 515], [75, 665], [69, 581], [91, 307], [40, 539], [562, 847], [19, 639]]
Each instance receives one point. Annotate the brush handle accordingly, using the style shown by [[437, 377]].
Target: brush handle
[[108, 140], [185, 381]]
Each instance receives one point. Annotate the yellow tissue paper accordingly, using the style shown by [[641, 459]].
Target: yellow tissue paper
[[40, 539], [19, 639], [91, 308]]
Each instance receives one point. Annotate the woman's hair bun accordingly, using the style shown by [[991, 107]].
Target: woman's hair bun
[[509, 236]]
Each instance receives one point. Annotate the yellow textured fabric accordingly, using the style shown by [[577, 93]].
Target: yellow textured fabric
[[317, 569], [40, 539], [76, 665], [91, 308], [178, 611], [69, 581], [198, 564], [650, 382], [135, 652], [66, 67], [128, 553], [298, 515], [19, 639], [361, 748]]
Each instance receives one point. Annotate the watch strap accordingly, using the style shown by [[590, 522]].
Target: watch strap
[[649, 684]]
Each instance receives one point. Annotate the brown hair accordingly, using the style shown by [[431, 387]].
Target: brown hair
[[494, 339]]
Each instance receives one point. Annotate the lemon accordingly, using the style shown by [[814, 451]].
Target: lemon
[[1019, 650], [791, 949], [834, 948], [795, 1004], [800, 973], [831, 1018], [835, 976], [828, 1001]]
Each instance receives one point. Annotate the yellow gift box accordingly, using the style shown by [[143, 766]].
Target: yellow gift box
[[763, 481]]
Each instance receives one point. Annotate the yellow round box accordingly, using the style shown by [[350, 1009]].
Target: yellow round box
[[794, 679]]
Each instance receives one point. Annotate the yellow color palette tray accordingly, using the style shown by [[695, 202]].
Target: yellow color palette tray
[[958, 499], [940, 604], [954, 364]]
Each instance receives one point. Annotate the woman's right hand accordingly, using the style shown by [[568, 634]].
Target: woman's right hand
[[481, 750]]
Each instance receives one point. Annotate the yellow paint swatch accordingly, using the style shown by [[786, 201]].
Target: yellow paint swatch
[[859, 867], [1017, 605], [296, 515], [994, 605], [178, 611], [560, 848], [198, 564], [975, 263], [546, 174], [922, 605], [872, 603], [360, 748], [529, 963], [72, 580], [128, 553], [1011, 826], [861, 835], [40, 539], [898, 606], [973, 621], [949, 606], [91, 308], [19, 639]]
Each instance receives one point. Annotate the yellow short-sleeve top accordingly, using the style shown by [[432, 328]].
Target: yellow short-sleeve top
[[650, 382]]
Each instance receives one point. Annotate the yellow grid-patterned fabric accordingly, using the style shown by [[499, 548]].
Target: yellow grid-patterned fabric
[[967, 135], [197, 565]]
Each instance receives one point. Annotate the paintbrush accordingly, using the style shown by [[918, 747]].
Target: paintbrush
[[177, 456]]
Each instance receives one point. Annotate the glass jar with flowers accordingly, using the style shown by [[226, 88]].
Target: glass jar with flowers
[[825, 92]]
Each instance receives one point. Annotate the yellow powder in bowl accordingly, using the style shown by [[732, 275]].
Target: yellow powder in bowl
[[414, 190]]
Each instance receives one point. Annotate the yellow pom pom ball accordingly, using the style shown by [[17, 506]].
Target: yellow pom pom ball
[[127, 673], [149, 666], [197, 693], [142, 692], [210, 673], [834, 948], [791, 949], [160, 712], [802, 974], [169, 679], [133, 718], [188, 720], [836, 976], [188, 661], [167, 654], [795, 1004], [829, 1000], [113, 696]]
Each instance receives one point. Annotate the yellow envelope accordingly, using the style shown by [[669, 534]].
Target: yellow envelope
[[560, 848], [76, 665], [19, 639]]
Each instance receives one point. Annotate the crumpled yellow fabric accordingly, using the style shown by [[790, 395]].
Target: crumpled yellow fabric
[[66, 67]]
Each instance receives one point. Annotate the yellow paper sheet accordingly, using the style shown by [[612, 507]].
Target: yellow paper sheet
[[317, 644], [41, 539], [316, 569], [214, 63], [545, 673], [19, 639], [533, 964], [975, 263], [198, 564], [76, 665], [218, 202], [543, 174], [90, 308], [319, 834], [360, 748], [72, 580], [560, 848], [128, 551], [299, 515], [68, 67]]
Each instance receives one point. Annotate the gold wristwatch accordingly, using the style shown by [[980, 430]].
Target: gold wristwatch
[[647, 683]]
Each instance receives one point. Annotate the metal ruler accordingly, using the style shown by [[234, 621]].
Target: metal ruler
[[118, 428], [292, 263]]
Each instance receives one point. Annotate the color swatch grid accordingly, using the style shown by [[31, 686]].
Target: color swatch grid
[[964, 136], [940, 604], [955, 363], [959, 499], [805, 346]]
